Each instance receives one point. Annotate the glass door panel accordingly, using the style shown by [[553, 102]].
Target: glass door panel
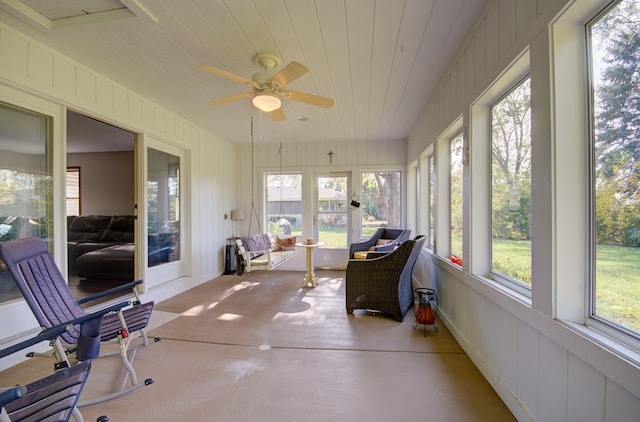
[[163, 207], [26, 182], [332, 220]]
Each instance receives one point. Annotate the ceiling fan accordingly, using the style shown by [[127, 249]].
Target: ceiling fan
[[268, 87]]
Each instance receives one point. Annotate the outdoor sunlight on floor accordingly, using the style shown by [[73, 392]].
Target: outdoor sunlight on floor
[[230, 317], [198, 309]]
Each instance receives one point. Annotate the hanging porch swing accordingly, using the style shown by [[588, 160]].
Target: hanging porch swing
[[257, 251]]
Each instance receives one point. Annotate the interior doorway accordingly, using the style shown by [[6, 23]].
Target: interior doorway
[[100, 204]]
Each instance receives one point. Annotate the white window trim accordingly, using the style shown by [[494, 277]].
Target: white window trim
[[443, 204], [413, 193], [572, 183], [423, 206], [480, 175]]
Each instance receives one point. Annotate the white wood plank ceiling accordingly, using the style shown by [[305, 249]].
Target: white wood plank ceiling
[[379, 59]]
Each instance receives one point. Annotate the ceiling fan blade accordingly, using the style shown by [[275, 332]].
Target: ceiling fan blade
[[225, 74], [289, 73], [231, 98], [312, 99], [277, 115]]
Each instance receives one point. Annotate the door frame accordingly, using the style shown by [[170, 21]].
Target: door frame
[[180, 268], [23, 324], [327, 257]]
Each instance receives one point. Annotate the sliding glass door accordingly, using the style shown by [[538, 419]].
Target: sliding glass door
[[26, 182], [32, 169], [163, 207], [164, 217]]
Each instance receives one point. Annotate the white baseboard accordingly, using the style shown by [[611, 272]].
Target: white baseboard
[[492, 378]]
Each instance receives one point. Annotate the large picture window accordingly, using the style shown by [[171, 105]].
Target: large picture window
[[381, 199], [615, 167], [455, 196], [431, 219], [511, 185], [284, 204]]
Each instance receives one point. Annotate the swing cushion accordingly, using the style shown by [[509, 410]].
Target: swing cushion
[[257, 245], [285, 243]]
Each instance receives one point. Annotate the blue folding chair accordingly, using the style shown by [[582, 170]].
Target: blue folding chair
[[52, 398], [47, 294]]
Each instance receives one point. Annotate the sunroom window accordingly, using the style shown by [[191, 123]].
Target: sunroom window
[[455, 196], [381, 199], [615, 166], [511, 186], [284, 204], [431, 218]]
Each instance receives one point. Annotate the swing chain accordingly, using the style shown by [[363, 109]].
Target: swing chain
[[253, 205]]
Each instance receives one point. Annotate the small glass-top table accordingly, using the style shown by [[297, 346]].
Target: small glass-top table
[[310, 279]]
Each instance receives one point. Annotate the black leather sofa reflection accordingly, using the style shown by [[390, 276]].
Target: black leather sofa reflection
[[101, 246]]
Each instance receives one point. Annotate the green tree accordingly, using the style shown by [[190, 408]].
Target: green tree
[[381, 196], [511, 158], [456, 193], [616, 45]]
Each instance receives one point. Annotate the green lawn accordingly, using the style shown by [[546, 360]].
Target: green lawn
[[334, 237], [513, 258], [618, 284]]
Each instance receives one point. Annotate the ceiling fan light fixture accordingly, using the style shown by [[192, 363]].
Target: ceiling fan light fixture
[[266, 102]]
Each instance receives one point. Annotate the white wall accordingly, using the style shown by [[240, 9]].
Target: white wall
[[544, 368], [107, 182], [32, 74]]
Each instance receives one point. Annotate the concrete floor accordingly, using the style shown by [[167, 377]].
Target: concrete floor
[[261, 347]]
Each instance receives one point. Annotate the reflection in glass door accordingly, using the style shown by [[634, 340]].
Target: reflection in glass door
[[331, 219], [163, 207], [26, 182]]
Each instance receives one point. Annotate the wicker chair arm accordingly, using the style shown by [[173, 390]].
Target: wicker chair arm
[[382, 264]]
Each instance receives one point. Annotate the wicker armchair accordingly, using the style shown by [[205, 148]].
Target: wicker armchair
[[383, 283], [396, 236]]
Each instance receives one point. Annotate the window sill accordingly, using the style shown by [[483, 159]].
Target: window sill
[[491, 288], [617, 348]]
